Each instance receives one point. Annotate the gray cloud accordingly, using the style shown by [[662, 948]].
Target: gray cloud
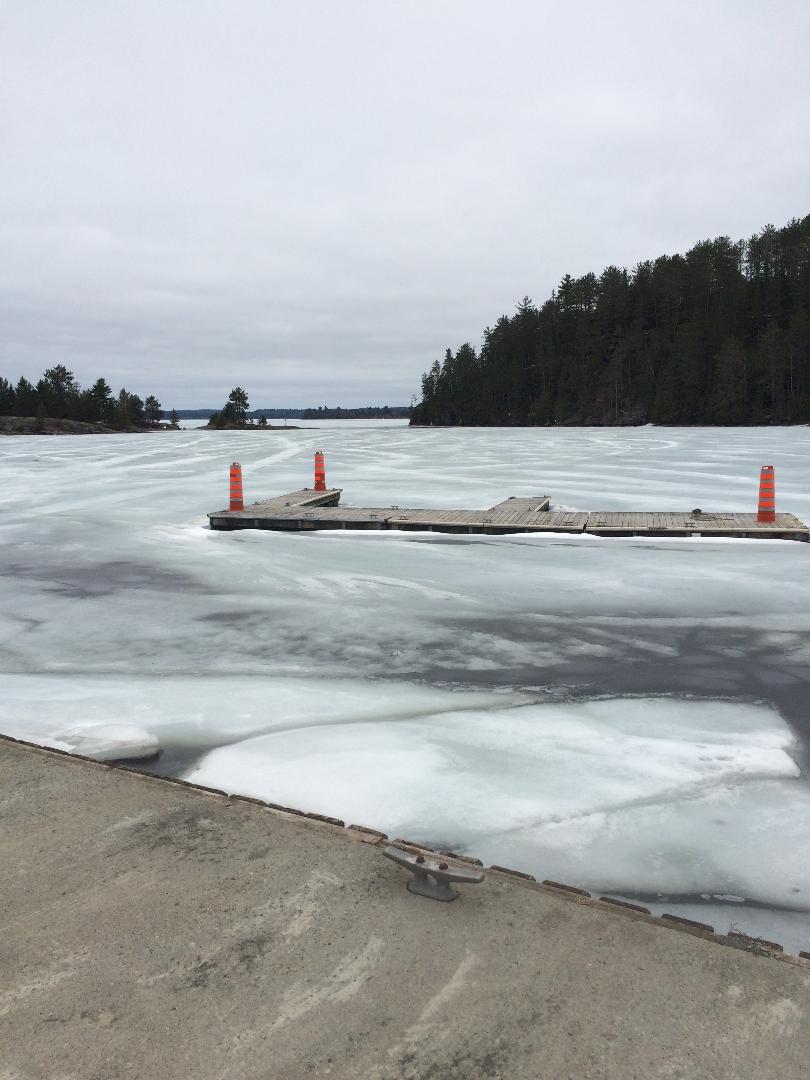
[[315, 199]]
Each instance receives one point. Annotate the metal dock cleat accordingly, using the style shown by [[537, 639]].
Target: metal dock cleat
[[431, 875]]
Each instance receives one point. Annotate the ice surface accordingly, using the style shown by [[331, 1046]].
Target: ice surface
[[105, 742], [440, 687], [194, 714], [672, 798]]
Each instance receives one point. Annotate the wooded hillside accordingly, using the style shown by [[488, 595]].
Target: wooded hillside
[[720, 335]]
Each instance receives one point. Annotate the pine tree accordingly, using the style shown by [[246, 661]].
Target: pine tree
[[153, 410], [238, 405], [58, 389], [7, 398], [103, 403], [129, 410], [26, 398]]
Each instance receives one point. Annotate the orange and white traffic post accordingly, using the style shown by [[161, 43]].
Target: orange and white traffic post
[[320, 471], [237, 500], [766, 508]]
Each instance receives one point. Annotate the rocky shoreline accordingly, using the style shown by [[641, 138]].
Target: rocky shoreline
[[48, 425]]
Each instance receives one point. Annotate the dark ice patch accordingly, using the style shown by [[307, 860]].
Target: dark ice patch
[[103, 578], [230, 618], [642, 658]]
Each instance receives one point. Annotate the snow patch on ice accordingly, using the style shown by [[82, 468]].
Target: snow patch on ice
[[106, 742]]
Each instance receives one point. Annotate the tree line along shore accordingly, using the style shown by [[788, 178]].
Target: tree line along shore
[[720, 335], [57, 405]]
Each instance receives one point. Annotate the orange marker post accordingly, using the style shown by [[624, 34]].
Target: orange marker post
[[320, 471], [766, 509], [237, 500]]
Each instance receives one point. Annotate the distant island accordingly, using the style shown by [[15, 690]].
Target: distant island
[[235, 413], [322, 412], [720, 335]]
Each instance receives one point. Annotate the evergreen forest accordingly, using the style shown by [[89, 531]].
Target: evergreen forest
[[720, 335], [58, 396]]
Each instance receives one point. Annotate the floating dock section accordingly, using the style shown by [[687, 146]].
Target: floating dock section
[[311, 509]]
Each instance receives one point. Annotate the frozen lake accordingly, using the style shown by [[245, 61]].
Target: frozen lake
[[627, 715]]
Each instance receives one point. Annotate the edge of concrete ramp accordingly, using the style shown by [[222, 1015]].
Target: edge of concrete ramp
[[153, 927]]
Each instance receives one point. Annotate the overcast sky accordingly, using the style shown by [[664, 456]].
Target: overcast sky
[[315, 199]]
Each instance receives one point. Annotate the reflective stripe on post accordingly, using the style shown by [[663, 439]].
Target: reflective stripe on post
[[320, 471], [237, 500], [766, 508]]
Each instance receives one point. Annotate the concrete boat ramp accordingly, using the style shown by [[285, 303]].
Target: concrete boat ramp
[[152, 930], [310, 509]]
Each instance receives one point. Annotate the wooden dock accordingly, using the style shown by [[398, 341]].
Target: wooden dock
[[310, 510], [786, 526]]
